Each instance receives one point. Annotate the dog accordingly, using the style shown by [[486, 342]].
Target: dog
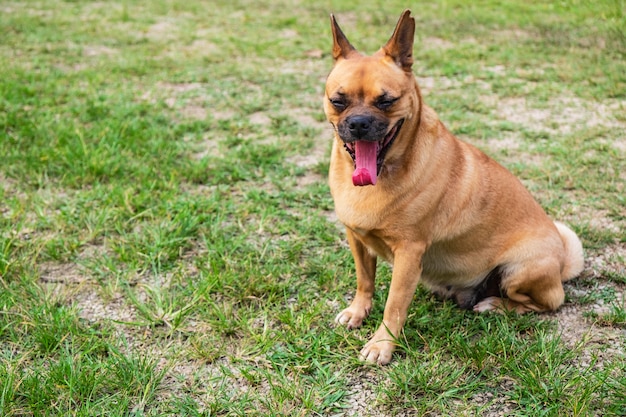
[[439, 210]]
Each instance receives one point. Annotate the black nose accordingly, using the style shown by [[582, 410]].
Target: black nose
[[359, 125]]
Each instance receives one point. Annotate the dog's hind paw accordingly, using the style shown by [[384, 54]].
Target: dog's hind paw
[[502, 305], [489, 304]]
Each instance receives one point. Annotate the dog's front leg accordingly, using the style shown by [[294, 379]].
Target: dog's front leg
[[353, 316], [407, 269]]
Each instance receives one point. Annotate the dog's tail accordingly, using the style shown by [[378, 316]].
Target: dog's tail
[[574, 258]]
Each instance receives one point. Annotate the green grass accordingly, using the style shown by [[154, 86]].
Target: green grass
[[166, 238]]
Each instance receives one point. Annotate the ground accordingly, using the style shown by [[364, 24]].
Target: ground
[[168, 244]]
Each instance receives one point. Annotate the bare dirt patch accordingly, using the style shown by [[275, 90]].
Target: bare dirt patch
[[575, 329], [208, 147], [179, 88], [611, 259], [94, 309], [162, 31], [260, 118], [223, 114], [60, 273], [187, 99], [562, 115], [436, 43], [201, 48], [97, 50], [430, 84], [508, 143], [362, 394], [620, 144]]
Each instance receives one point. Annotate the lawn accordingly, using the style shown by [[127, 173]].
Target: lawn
[[167, 238]]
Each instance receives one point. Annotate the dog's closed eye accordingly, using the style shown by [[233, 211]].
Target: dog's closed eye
[[385, 102], [339, 103]]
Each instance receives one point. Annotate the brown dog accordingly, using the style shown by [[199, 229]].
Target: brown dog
[[440, 210]]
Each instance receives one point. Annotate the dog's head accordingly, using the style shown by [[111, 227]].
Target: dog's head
[[369, 99]]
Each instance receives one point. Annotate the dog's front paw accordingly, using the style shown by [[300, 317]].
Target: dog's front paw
[[379, 349], [353, 316]]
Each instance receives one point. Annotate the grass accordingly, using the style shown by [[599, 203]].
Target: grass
[[167, 245]]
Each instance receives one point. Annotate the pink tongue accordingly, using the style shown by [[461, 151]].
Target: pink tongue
[[365, 158]]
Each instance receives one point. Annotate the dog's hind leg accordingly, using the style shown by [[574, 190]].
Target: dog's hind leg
[[532, 286]]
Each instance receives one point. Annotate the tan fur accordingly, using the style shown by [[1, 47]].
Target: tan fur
[[442, 212]]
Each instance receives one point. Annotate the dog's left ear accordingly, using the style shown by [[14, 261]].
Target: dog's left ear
[[400, 45]]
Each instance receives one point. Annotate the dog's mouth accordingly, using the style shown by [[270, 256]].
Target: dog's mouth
[[368, 156]]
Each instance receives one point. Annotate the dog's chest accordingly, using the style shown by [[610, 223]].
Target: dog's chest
[[375, 243], [361, 215], [366, 226]]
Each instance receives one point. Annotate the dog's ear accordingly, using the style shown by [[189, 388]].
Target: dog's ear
[[341, 45], [400, 45]]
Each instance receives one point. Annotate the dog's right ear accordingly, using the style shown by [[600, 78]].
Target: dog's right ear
[[341, 45]]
